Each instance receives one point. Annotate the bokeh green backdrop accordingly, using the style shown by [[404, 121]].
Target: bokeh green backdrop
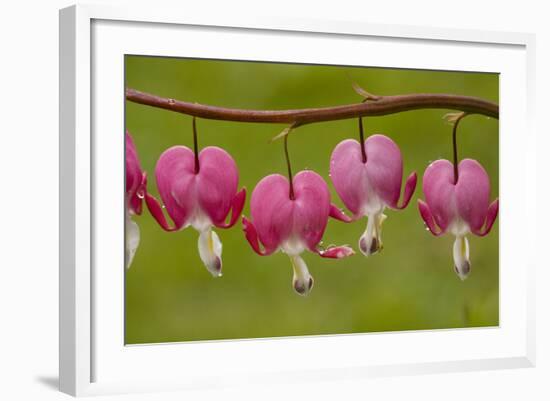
[[411, 285]]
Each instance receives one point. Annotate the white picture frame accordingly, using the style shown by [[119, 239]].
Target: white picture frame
[[93, 360]]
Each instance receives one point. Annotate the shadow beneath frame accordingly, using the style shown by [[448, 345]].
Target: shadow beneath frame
[[51, 382]]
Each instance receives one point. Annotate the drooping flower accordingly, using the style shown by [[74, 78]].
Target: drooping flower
[[368, 182], [136, 181], [199, 192], [460, 207], [293, 221]]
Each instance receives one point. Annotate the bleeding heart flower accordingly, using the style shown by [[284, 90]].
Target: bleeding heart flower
[[198, 192], [459, 207], [368, 182], [293, 221], [136, 180]]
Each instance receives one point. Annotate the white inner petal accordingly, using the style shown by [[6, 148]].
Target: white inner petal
[[293, 246], [200, 220], [210, 251], [132, 239], [374, 204], [371, 240], [461, 256], [459, 227], [302, 281]]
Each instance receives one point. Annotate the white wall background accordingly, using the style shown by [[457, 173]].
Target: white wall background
[[29, 198]]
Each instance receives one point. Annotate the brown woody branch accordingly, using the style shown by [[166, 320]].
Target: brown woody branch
[[380, 106]]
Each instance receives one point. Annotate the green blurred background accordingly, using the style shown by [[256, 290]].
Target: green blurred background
[[411, 285]]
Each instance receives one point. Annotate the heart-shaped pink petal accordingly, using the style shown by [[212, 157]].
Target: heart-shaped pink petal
[[438, 188], [384, 168], [277, 218], [135, 177], [185, 192], [349, 175], [217, 183], [311, 207], [176, 182], [467, 200], [380, 177], [272, 210], [472, 193]]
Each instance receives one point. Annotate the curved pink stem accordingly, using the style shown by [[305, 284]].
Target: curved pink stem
[[410, 186], [336, 213], [156, 211], [428, 218], [336, 252], [237, 206], [252, 237], [492, 213]]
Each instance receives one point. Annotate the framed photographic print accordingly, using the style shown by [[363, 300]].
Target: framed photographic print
[[284, 199]]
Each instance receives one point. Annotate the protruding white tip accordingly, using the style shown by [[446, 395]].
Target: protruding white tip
[[370, 242], [461, 256], [302, 281], [132, 239], [210, 251]]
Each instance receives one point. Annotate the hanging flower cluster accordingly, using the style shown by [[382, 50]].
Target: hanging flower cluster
[[459, 207], [198, 190], [292, 217], [136, 181], [368, 180], [290, 214]]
